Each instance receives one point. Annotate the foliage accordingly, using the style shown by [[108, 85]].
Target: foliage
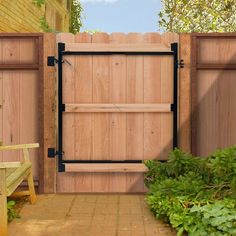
[[92, 31], [44, 25], [75, 17], [38, 3], [198, 16], [11, 212], [195, 195]]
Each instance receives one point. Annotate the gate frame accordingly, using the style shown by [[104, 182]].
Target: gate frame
[[61, 106]]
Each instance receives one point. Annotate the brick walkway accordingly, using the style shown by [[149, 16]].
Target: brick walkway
[[85, 215]]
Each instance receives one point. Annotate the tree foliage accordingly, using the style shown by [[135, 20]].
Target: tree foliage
[[186, 16], [75, 17]]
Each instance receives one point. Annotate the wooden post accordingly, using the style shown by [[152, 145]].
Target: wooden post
[[185, 94], [3, 203], [49, 114], [30, 180]]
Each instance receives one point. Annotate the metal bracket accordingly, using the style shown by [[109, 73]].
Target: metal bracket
[[181, 63], [52, 153], [52, 61]]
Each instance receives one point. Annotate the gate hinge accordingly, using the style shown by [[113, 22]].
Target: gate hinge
[[52, 61], [52, 153], [180, 63]]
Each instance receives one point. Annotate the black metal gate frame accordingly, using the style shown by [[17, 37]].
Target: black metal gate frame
[[61, 106]]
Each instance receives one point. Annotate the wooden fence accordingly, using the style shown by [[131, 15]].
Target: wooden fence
[[213, 92], [28, 98], [20, 69]]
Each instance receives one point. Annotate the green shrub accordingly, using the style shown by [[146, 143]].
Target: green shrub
[[195, 195], [11, 212]]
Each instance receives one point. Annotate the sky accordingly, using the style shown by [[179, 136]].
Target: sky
[[121, 15]]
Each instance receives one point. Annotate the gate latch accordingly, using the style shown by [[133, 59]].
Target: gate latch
[[52, 61], [52, 153]]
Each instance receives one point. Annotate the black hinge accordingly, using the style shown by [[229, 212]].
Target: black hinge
[[52, 153], [52, 61], [181, 63]]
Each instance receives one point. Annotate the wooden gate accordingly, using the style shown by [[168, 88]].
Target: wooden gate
[[116, 106]]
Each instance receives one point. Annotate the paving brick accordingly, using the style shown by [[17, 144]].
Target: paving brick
[[88, 215]]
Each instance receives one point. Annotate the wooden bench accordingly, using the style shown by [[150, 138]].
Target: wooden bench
[[11, 176]]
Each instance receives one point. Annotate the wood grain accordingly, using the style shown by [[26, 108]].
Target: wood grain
[[83, 122], [49, 110], [185, 94], [213, 74], [1, 102], [118, 85], [135, 126], [101, 121], [105, 168], [152, 94], [11, 99], [66, 181], [167, 86], [117, 47], [127, 108]]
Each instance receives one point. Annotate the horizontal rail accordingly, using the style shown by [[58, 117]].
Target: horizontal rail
[[216, 66], [18, 146], [117, 53], [19, 66], [117, 107], [119, 47], [6, 165], [105, 168]]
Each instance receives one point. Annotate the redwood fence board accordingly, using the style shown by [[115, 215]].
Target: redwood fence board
[[213, 96], [20, 70]]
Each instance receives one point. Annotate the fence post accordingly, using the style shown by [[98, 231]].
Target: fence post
[[185, 93]]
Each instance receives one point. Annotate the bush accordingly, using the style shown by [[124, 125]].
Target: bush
[[195, 195], [11, 211]]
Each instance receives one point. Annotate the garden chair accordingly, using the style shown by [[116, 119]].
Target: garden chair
[[11, 176]]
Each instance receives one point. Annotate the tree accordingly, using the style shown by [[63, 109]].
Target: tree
[[185, 16], [75, 17]]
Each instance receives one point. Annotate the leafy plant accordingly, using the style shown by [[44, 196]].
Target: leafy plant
[[44, 25], [39, 3], [75, 17], [195, 195], [198, 16], [11, 212]]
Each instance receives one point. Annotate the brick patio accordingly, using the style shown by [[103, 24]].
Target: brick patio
[[88, 214]]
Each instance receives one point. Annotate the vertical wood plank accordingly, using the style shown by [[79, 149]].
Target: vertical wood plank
[[167, 86], [83, 94], [66, 181], [118, 121], [134, 129], [11, 105], [1, 101], [194, 55], [185, 93], [83, 122], [152, 94], [101, 122], [28, 102], [49, 139]]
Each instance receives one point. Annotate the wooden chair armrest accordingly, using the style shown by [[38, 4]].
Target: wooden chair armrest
[[19, 146], [4, 165]]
